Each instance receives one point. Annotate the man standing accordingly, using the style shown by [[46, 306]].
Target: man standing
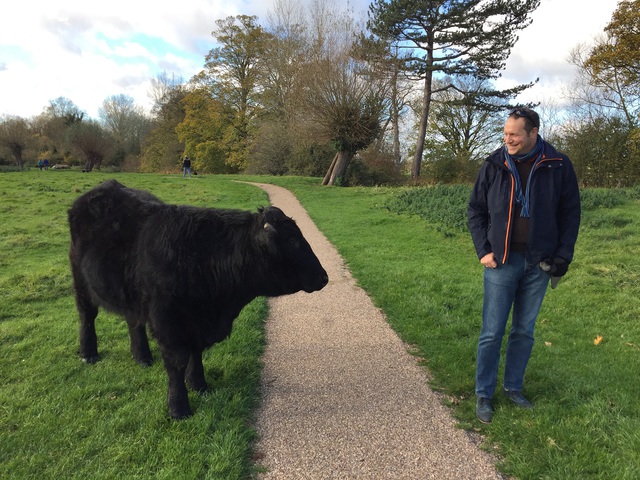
[[186, 167], [524, 216]]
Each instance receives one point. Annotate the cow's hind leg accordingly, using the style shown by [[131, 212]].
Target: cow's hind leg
[[195, 373], [139, 343], [175, 363]]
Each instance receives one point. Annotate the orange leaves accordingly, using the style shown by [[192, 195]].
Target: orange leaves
[[598, 340]]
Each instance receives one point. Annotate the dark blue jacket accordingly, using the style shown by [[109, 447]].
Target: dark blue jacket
[[554, 208]]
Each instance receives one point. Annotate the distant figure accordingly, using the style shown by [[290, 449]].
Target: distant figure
[[186, 167], [40, 164], [46, 164]]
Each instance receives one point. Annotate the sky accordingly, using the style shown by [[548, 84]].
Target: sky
[[88, 51]]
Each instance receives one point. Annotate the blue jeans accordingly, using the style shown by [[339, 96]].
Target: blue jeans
[[522, 285], [186, 170]]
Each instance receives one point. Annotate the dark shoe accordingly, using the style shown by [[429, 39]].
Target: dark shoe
[[517, 398], [484, 410]]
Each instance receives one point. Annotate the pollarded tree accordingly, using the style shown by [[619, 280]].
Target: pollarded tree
[[52, 127], [346, 107], [91, 142], [341, 100], [450, 37], [15, 135], [386, 60]]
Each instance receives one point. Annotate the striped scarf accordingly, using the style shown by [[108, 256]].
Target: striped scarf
[[522, 198]]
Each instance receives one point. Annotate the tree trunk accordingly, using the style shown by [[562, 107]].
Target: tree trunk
[[325, 180], [395, 116], [19, 160], [17, 155], [422, 131], [338, 168]]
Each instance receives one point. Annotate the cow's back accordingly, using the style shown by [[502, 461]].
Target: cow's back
[[105, 226]]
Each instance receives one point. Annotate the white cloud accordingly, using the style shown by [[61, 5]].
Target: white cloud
[[88, 51], [543, 48]]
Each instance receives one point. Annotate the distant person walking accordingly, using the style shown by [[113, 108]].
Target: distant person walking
[[186, 167], [523, 215], [46, 164]]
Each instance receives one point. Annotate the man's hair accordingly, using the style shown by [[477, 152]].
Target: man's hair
[[531, 118]]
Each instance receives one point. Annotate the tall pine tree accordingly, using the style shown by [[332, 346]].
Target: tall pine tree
[[451, 37]]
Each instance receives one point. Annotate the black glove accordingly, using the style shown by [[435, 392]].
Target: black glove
[[559, 266]]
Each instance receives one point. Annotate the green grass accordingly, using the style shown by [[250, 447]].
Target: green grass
[[420, 268], [407, 247], [60, 418]]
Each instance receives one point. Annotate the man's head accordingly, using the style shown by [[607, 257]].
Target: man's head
[[521, 131]]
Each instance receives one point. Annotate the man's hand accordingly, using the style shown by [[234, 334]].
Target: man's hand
[[556, 266], [489, 261]]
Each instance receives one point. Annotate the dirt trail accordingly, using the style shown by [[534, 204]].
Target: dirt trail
[[342, 398]]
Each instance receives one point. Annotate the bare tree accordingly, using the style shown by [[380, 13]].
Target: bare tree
[[125, 121], [465, 131], [163, 88], [15, 135]]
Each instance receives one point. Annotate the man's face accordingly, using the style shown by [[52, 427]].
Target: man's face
[[516, 139]]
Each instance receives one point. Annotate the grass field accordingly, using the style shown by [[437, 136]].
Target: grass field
[[407, 247], [62, 419]]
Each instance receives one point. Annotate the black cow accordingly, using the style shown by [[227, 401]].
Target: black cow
[[185, 271]]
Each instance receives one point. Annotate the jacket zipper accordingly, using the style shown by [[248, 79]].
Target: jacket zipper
[[505, 255]]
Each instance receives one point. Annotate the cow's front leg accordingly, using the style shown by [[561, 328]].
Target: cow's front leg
[[175, 364], [195, 373], [139, 343], [88, 312]]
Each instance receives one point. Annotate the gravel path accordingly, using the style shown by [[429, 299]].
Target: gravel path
[[342, 398]]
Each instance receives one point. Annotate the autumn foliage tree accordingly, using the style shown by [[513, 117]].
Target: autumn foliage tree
[[162, 149], [613, 64], [233, 74], [202, 131], [602, 135]]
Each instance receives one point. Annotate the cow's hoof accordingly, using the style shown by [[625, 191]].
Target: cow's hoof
[[180, 415], [91, 359], [144, 362], [198, 386]]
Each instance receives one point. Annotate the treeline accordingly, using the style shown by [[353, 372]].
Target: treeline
[[406, 95]]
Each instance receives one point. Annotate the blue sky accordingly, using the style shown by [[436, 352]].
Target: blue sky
[[87, 51]]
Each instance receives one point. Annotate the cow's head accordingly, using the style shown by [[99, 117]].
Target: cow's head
[[295, 265]]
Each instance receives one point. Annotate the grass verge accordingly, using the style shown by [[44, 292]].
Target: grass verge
[[60, 418], [420, 268]]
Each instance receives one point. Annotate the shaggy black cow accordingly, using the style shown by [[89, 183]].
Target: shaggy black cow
[[185, 271]]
